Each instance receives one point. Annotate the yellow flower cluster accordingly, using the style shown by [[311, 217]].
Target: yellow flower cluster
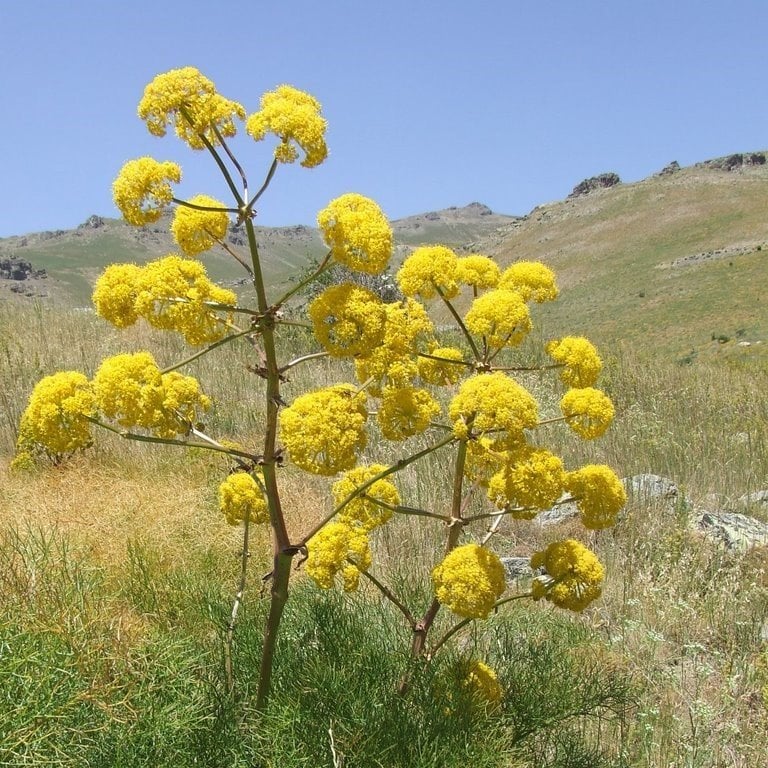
[[241, 498], [357, 232], [485, 458], [131, 390], [188, 100], [171, 293], [501, 317], [294, 117], [469, 581], [56, 416], [405, 411], [599, 494], [532, 479], [394, 361], [531, 279], [324, 431], [348, 320], [428, 269], [482, 683], [142, 190], [574, 575], [364, 511], [478, 271], [493, 403], [338, 548], [588, 411], [438, 369], [195, 230], [580, 358]]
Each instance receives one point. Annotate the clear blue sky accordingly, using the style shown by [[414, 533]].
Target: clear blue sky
[[430, 104]]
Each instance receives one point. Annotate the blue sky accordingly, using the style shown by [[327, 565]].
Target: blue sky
[[429, 104]]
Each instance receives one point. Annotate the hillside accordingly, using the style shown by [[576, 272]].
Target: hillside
[[674, 264]]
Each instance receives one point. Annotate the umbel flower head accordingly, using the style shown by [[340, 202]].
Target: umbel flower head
[[482, 683], [441, 366], [188, 100], [241, 498], [532, 479], [338, 548], [56, 416], [170, 293], [477, 271], [493, 403], [196, 230], [324, 431], [357, 232], [428, 269], [469, 581], [531, 279], [142, 189], [574, 575], [132, 390], [599, 494], [501, 317], [348, 320], [372, 507], [405, 411], [294, 117], [588, 411], [579, 358]]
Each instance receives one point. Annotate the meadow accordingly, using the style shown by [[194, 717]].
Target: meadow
[[117, 575]]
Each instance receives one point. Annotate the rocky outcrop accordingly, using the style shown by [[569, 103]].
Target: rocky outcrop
[[603, 181], [18, 269], [732, 162]]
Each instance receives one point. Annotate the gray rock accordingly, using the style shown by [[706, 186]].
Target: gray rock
[[517, 568], [558, 514], [603, 181], [755, 499], [730, 529], [648, 487]]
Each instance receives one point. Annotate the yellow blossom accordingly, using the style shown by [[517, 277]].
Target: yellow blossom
[[582, 364], [175, 294], [188, 100], [478, 271], [294, 117], [114, 295], [482, 683], [599, 494], [56, 416], [241, 497], [357, 232], [574, 575], [427, 269], [394, 362], [142, 191], [588, 412], [348, 320], [531, 279], [363, 511], [469, 581], [196, 231], [406, 411], [532, 479], [131, 389], [501, 317], [493, 403], [338, 548], [485, 457], [324, 431], [441, 366]]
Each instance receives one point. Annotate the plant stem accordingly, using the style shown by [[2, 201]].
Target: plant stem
[[228, 669]]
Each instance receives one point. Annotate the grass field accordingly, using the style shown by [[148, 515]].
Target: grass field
[[117, 576]]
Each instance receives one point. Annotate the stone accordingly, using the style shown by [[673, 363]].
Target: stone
[[517, 568], [649, 486], [731, 529], [603, 181]]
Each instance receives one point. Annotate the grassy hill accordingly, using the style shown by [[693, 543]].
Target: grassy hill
[[674, 264]]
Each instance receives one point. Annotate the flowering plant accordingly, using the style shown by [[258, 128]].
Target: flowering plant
[[468, 396]]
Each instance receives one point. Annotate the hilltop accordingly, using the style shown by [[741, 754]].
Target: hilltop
[[673, 264]]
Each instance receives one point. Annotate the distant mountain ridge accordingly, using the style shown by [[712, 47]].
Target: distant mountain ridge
[[675, 263]]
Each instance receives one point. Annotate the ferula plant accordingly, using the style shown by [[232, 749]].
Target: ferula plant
[[465, 396]]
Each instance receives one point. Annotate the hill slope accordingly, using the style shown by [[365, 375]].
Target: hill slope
[[674, 264]]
